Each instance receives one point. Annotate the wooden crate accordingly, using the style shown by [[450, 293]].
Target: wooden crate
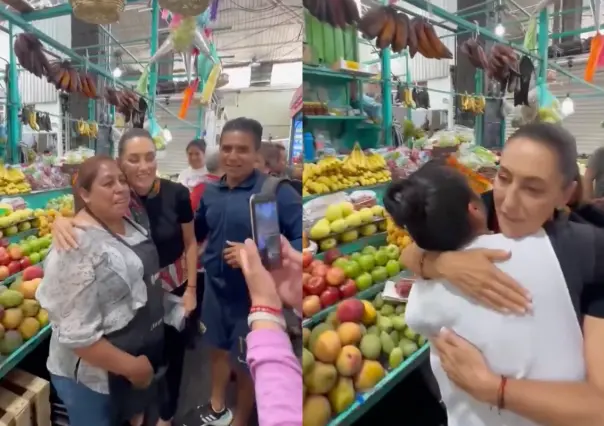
[[24, 400]]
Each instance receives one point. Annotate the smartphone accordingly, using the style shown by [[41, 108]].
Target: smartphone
[[265, 229]]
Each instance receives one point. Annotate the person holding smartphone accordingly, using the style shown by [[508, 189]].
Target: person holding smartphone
[[224, 218]]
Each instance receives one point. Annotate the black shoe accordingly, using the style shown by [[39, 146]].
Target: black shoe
[[206, 416]]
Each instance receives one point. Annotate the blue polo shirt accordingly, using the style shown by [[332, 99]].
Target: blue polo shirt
[[224, 215]]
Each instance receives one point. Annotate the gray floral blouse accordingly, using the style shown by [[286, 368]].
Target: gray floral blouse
[[88, 293]]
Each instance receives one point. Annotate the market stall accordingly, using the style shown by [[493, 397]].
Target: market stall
[[354, 286]]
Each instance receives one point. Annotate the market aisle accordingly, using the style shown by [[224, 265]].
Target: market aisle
[[196, 382]]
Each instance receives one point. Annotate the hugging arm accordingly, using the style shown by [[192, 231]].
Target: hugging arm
[[571, 404], [473, 272]]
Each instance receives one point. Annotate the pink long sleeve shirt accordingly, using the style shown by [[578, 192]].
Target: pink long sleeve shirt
[[277, 377]]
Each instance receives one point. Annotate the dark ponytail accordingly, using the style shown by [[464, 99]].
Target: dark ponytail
[[433, 206]]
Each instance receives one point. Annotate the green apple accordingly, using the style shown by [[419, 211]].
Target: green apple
[[340, 262], [35, 258], [363, 281], [367, 262], [328, 243], [369, 250], [43, 253], [379, 274], [381, 257], [352, 269], [355, 256], [26, 248], [393, 267], [393, 251]]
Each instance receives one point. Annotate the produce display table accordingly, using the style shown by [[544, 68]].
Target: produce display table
[[379, 190], [34, 200], [13, 360]]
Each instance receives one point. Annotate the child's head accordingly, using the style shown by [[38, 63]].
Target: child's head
[[437, 207]]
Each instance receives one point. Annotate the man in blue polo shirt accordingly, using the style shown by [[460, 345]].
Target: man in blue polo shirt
[[224, 218]]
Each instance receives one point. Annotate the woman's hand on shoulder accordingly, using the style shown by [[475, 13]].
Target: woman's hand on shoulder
[[63, 233], [474, 273]]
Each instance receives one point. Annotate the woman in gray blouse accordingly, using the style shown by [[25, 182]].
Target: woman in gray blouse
[[106, 349]]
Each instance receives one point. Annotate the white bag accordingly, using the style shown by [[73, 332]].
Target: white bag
[[174, 311]]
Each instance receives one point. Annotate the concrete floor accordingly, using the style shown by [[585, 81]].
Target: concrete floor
[[196, 384]]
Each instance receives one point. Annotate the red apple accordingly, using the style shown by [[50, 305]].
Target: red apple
[[315, 286], [32, 272], [331, 255], [320, 270], [335, 276], [14, 267], [307, 259], [4, 273], [25, 262], [4, 257], [310, 306], [330, 296], [15, 253], [348, 289]]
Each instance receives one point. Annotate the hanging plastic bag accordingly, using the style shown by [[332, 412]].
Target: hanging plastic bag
[[601, 57], [594, 55], [530, 38], [157, 134], [546, 99]]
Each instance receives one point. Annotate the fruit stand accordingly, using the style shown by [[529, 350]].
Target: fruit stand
[[25, 240]]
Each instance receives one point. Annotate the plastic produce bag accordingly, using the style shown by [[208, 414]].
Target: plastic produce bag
[[174, 311]]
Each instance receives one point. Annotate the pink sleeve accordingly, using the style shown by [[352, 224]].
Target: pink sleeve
[[277, 378]]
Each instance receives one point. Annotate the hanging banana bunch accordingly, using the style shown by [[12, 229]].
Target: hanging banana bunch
[[472, 103]]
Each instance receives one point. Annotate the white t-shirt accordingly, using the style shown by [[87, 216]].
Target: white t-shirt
[[191, 177], [544, 345]]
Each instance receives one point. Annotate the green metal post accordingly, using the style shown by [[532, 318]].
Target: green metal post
[[91, 110], [479, 119], [408, 81], [386, 95], [14, 102], [153, 49], [543, 44], [200, 116]]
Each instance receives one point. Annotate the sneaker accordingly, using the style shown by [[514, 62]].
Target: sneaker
[[206, 416]]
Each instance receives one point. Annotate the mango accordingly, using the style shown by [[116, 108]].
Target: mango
[[350, 333], [371, 346], [316, 332], [400, 309], [11, 341], [349, 361], [398, 323], [384, 324], [387, 343], [321, 378], [369, 313], [373, 330], [378, 302], [327, 346], [395, 357], [30, 307], [305, 336], [42, 317], [12, 318], [350, 310], [369, 376], [332, 320], [316, 411], [10, 298], [308, 360], [387, 310], [342, 395], [395, 337], [29, 327], [408, 347]]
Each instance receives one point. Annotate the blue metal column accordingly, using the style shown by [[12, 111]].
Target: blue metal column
[[386, 95], [543, 43], [14, 101], [153, 50]]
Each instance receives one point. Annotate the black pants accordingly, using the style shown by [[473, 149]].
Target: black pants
[[176, 343]]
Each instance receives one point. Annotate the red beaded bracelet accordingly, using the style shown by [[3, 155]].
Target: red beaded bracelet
[[501, 394], [267, 309]]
